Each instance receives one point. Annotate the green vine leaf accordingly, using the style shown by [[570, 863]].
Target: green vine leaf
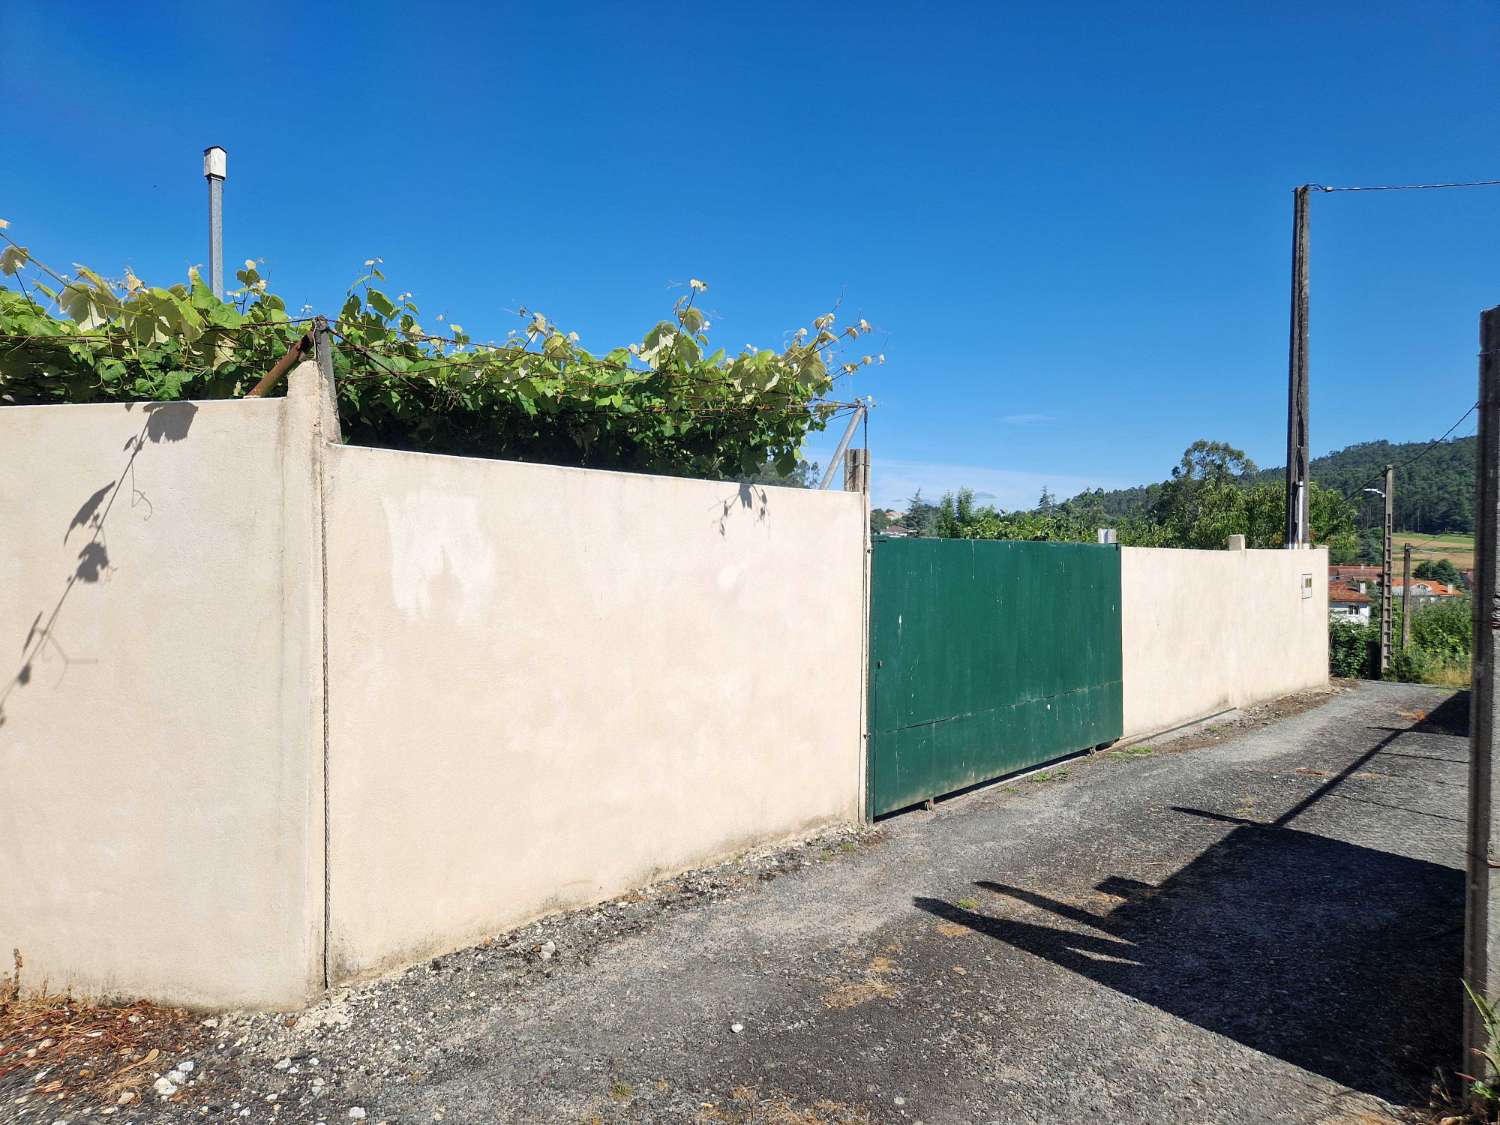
[[667, 404]]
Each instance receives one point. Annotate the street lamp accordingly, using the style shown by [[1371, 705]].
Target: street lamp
[[215, 170]]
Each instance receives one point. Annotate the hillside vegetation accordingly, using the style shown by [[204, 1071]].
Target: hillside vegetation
[[1434, 490], [1213, 493]]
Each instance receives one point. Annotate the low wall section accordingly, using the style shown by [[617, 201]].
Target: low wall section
[[550, 685], [1206, 631]]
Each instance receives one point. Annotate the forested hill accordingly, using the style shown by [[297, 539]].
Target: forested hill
[[1434, 493]]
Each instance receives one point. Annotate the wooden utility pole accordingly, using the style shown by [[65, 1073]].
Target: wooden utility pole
[[1385, 575], [838, 454], [1482, 912], [856, 470], [1405, 595], [1296, 408]]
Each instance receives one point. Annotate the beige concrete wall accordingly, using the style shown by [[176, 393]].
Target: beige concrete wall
[[1204, 631], [544, 687], [160, 729], [548, 685]]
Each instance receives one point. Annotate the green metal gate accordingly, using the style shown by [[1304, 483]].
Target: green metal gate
[[987, 657]]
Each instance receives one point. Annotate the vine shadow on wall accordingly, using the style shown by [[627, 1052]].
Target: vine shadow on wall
[[164, 422], [750, 497]]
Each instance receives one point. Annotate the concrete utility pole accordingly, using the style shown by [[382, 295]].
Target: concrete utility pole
[[1405, 595], [1297, 468], [215, 170], [1385, 575], [1482, 912]]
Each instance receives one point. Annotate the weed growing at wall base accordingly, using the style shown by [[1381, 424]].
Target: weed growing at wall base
[[1484, 1087]]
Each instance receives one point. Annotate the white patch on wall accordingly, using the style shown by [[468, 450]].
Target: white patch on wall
[[439, 553], [1307, 586]]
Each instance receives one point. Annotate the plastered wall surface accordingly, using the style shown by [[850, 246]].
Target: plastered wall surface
[[160, 809], [1205, 631], [547, 685]]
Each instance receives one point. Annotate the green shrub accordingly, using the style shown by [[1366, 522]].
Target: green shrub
[[1411, 666], [1438, 651], [1444, 628], [1349, 648]]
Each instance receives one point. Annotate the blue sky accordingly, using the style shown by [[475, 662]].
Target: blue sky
[[1068, 223]]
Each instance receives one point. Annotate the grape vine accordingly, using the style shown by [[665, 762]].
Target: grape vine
[[664, 404]]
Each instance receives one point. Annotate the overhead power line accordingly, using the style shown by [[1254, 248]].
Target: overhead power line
[[1407, 187], [1415, 457]]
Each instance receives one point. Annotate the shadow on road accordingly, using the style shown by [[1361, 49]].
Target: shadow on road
[[1338, 958]]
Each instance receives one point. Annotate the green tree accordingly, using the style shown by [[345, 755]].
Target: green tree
[[921, 517], [1434, 486], [1332, 520], [1214, 494], [1440, 571], [1204, 502], [803, 475], [961, 518]]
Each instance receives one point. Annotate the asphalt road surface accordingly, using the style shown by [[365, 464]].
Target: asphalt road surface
[[1260, 923]]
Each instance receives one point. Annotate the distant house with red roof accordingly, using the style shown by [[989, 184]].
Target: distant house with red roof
[[1349, 600], [1425, 590], [1352, 590]]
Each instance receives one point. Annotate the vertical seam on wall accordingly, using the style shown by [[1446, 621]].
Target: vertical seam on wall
[[327, 817], [321, 446]]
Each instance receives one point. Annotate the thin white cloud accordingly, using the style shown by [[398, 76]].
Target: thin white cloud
[[893, 482], [1027, 419]]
